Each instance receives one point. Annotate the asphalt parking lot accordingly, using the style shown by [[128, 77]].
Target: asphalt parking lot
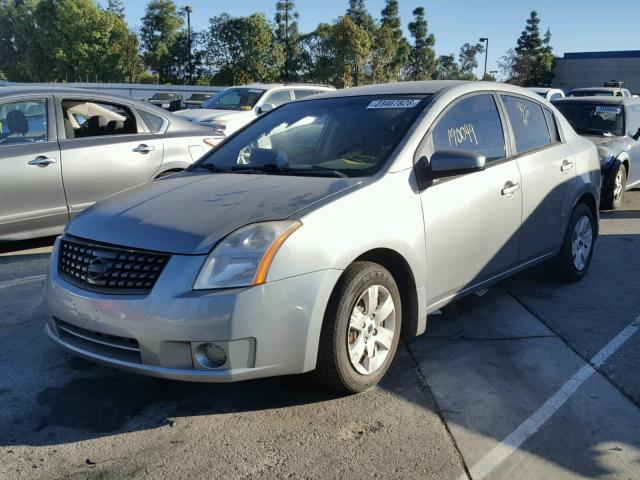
[[533, 379]]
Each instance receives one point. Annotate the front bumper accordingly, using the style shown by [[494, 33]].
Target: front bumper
[[271, 329]]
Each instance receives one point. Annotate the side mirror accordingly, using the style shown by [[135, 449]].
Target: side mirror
[[267, 107], [448, 163]]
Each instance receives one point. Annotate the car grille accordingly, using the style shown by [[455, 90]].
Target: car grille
[[109, 269], [113, 346]]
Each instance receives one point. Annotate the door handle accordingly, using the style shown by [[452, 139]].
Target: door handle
[[509, 188], [142, 148], [42, 161], [566, 165]]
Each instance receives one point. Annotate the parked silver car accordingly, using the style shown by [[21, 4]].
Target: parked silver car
[[63, 149], [315, 236]]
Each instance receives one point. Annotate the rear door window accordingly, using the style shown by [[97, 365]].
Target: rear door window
[[92, 118], [552, 125], [528, 123], [303, 93], [278, 98], [24, 121], [472, 124]]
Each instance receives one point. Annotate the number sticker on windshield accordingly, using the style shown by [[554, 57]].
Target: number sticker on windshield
[[393, 104], [608, 109]]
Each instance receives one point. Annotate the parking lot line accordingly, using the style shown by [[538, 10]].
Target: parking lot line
[[530, 426], [21, 281]]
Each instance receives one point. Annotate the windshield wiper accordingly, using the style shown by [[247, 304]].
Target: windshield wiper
[[206, 166], [595, 131]]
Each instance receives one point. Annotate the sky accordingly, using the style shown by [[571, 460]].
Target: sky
[[576, 25]]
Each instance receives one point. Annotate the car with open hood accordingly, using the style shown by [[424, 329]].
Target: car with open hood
[[613, 124], [315, 237]]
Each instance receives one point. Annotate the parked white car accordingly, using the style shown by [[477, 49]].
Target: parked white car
[[234, 107], [550, 94]]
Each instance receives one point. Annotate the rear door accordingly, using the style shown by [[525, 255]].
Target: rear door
[[32, 200], [548, 169], [105, 148]]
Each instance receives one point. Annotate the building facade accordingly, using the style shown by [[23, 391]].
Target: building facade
[[592, 69]]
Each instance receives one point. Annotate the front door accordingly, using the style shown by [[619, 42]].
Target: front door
[[472, 221], [32, 200], [106, 149]]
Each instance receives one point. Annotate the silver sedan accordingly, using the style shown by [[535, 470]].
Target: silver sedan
[[315, 237], [63, 149]]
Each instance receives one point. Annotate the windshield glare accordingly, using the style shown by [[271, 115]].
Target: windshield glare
[[594, 119], [351, 136], [235, 99]]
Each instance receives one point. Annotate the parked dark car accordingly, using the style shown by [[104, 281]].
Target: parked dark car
[[63, 149], [196, 100], [167, 101], [613, 124]]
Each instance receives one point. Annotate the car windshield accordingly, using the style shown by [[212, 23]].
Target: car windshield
[[235, 99], [344, 137], [591, 93], [163, 96], [594, 118]]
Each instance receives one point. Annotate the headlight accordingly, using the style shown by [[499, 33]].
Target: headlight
[[243, 258], [605, 155]]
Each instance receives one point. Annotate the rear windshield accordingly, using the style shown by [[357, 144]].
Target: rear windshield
[[594, 118], [591, 93], [350, 136], [235, 99]]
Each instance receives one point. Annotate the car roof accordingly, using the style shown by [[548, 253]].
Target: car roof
[[270, 86], [600, 100], [543, 89]]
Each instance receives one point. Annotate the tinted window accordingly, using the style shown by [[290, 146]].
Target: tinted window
[[552, 125], [278, 98], [23, 122], [472, 124], [594, 118], [350, 136], [154, 122], [303, 93], [90, 118], [528, 123], [235, 99]]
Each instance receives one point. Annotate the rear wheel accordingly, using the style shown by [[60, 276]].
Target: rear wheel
[[361, 329], [616, 189], [574, 258]]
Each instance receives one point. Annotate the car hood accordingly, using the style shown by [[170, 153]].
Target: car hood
[[616, 144], [189, 213], [201, 114]]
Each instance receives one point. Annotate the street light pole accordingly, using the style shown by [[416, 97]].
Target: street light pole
[[486, 54], [189, 9]]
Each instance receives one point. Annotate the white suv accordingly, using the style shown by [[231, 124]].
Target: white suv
[[234, 107]]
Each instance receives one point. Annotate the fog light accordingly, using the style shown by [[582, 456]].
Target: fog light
[[212, 355]]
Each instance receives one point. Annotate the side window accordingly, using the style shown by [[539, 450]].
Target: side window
[[633, 121], [552, 125], [555, 96], [23, 122], [472, 124], [278, 98], [90, 118], [154, 122], [303, 93], [528, 123]]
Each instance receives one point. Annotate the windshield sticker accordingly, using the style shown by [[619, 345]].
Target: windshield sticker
[[608, 109], [462, 134], [524, 113], [393, 104]]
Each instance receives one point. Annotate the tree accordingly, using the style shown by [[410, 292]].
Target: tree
[[288, 37], [361, 17], [383, 54], [531, 63], [447, 68], [17, 31], [391, 20], [422, 58], [159, 33], [116, 7], [243, 50]]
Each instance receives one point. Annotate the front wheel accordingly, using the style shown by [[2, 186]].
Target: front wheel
[[618, 186], [574, 258], [361, 329]]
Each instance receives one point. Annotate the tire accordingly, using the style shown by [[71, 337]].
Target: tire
[[563, 266], [340, 335], [616, 188]]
